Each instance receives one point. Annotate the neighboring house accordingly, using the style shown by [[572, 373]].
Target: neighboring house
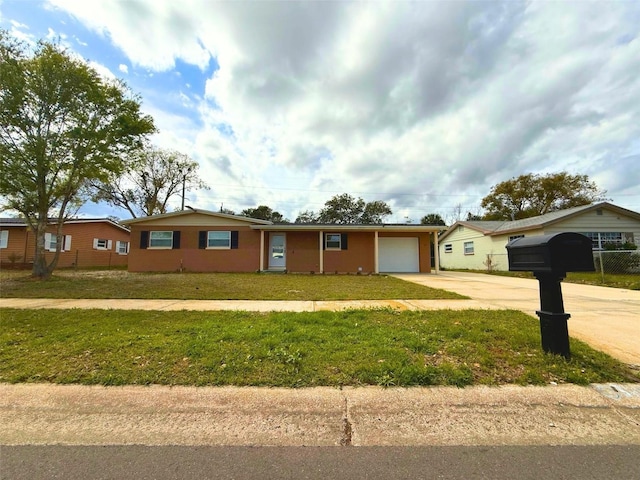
[[92, 242], [479, 245], [203, 241]]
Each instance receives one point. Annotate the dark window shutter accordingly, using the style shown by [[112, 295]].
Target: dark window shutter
[[144, 239], [202, 239], [343, 241], [324, 241], [234, 239], [176, 239]]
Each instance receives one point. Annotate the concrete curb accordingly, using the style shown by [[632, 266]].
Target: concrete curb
[[41, 414]]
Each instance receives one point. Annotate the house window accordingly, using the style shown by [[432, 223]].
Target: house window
[[4, 238], [333, 241], [515, 237], [468, 248], [51, 242], [219, 239], [161, 239], [448, 248], [122, 248], [599, 239], [102, 244]]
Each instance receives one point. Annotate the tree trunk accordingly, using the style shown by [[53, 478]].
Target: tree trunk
[[40, 267]]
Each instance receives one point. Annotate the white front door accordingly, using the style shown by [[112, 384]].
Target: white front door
[[277, 251]]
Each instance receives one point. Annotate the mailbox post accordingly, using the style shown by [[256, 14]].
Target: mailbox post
[[550, 257]]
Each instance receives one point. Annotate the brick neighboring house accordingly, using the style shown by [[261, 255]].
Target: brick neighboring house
[[203, 241], [91, 242]]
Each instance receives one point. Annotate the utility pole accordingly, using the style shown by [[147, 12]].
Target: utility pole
[[184, 183]]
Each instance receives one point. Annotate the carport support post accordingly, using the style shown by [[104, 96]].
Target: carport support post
[[553, 319]]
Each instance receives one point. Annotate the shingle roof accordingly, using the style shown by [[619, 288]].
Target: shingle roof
[[12, 221], [20, 222], [499, 227], [542, 219]]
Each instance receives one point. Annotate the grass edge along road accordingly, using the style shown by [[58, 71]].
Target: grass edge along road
[[358, 347], [118, 284]]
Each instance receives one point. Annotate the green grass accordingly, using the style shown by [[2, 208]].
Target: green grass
[[359, 347], [616, 280], [215, 286]]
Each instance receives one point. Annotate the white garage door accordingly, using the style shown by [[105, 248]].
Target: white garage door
[[398, 254]]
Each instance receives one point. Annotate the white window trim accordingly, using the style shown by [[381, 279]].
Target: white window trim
[[161, 247], [326, 241], [473, 248], [48, 238], [4, 238], [208, 247], [126, 247], [448, 248], [66, 242], [599, 239], [108, 244]]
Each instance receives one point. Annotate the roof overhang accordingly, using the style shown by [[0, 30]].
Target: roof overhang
[[192, 211], [305, 227], [18, 222]]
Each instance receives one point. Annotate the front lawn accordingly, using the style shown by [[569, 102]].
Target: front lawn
[[359, 347], [215, 286]]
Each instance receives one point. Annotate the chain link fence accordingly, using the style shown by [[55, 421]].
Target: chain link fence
[[617, 261], [612, 267]]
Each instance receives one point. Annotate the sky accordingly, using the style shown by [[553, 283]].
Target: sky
[[423, 105]]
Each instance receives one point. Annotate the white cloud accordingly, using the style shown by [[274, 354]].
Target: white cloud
[[425, 105], [123, 68]]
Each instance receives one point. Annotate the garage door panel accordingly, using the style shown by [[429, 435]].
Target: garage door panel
[[399, 254]]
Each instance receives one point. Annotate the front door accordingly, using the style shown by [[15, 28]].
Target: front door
[[277, 251]]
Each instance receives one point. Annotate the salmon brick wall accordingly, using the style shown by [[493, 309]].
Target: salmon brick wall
[[21, 243], [189, 257]]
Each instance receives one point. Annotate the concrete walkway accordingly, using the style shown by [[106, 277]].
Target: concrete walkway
[[248, 305]]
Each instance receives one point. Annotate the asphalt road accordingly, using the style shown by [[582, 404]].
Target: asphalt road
[[300, 463]]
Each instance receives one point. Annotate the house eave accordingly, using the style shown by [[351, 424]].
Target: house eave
[[315, 227]]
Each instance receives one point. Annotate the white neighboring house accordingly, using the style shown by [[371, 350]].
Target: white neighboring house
[[480, 245]]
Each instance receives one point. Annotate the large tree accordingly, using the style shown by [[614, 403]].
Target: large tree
[[307, 216], [345, 209], [151, 179], [432, 219], [264, 212], [375, 212], [62, 127], [531, 195]]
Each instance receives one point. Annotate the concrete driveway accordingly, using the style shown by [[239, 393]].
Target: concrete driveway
[[606, 318]]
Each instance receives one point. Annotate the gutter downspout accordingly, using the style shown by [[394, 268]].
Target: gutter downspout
[[320, 244], [437, 252], [376, 257], [261, 251]]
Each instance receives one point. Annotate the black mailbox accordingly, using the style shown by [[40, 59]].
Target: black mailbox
[[553, 253], [550, 257]]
